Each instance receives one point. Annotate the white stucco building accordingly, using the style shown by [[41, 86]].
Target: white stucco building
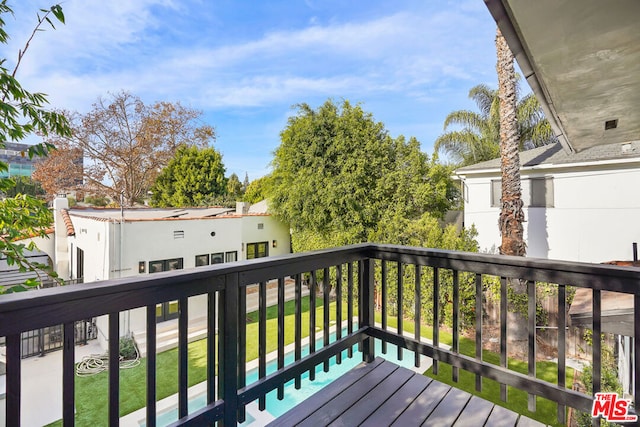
[[578, 207], [94, 244]]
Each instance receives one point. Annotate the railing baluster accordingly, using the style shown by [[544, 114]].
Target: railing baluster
[[13, 379], [417, 311], [531, 317], [562, 345], [597, 341], [211, 346], [114, 368], [312, 321], [359, 285], [350, 304], [241, 362], [436, 315], [383, 301], [366, 308], [298, 326], [596, 355], [399, 305], [636, 348], [326, 286], [262, 338], [230, 365], [68, 374], [151, 365], [339, 309], [183, 357], [503, 333], [281, 332], [478, 328], [456, 322]]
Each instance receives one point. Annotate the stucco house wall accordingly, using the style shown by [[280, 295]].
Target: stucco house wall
[[595, 209], [115, 247]]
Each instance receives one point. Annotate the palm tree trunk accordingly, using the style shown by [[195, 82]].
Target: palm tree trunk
[[511, 215]]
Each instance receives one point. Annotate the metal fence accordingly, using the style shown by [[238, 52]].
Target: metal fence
[[41, 341]]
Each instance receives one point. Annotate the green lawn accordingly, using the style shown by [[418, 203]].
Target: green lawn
[[92, 392], [92, 399]]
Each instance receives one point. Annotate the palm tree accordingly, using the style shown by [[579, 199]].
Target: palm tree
[[511, 214], [479, 136]]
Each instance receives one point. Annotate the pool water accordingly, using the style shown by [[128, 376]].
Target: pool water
[[293, 397]]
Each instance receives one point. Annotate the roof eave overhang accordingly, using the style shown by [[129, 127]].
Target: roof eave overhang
[[504, 19]]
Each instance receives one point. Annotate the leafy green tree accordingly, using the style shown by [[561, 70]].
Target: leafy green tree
[[26, 185], [476, 135], [194, 177], [257, 190], [339, 174], [24, 113], [234, 187]]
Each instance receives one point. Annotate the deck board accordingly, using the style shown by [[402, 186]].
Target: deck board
[[363, 408], [421, 407], [502, 417], [348, 397], [382, 393], [449, 409], [477, 408], [316, 401], [393, 407]]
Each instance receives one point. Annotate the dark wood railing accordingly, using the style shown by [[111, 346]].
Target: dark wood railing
[[360, 275]]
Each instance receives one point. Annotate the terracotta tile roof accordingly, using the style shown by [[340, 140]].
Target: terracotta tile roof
[[67, 222]]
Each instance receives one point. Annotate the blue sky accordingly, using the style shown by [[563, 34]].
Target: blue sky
[[245, 64]]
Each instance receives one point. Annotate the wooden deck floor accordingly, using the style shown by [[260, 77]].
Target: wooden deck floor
[[384, 394]]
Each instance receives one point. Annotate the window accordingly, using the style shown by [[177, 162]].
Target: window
[[231, 256], [202, 260], [217, 258], [79, 263], [257, 250], [178, 234], [165, 265], [541, 192], [496, 192]]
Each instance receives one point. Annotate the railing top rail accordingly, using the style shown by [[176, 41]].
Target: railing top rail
[[31, 310], [595, 276], [67, 303]]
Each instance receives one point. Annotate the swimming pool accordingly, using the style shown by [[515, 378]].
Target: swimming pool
[[293, 397]]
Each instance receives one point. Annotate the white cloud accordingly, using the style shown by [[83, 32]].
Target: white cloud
[[108, 46]]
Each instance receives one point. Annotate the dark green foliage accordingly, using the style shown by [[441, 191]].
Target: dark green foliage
[[194, 177], [128, 348], [257, 190], [339, 175], [25, 185], [234, 187]]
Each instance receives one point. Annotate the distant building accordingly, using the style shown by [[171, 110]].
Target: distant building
[[16, 156], [93, 244], [578, 207]]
